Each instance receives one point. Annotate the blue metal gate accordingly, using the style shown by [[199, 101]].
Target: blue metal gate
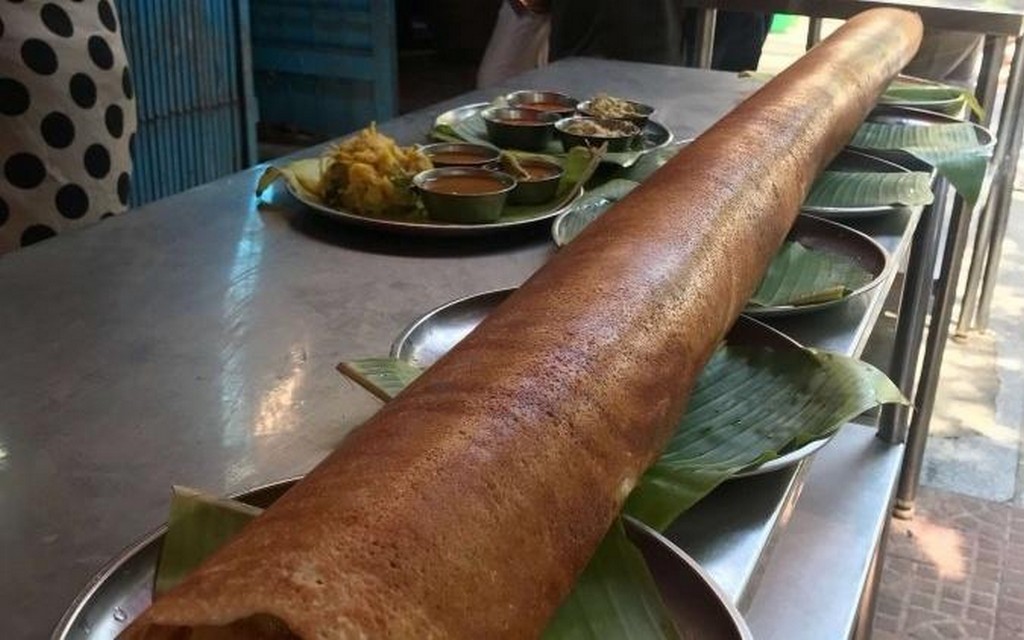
[[192, 70], [324, 66]]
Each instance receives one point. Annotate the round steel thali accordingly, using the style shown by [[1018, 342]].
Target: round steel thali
[[951, 104], [434, 333], [653, 135], [825, 235], [852, 160], [887, 114], [122, 590], [431, 227]]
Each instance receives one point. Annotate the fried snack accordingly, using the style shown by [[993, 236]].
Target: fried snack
[[468, 506], [371, 175]]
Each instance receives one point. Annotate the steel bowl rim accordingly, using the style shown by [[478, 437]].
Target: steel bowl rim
[[540, 118], [513, 99], [493, 153], [509, 181]]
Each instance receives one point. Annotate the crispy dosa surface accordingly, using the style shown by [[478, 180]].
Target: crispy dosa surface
[[467, 506]]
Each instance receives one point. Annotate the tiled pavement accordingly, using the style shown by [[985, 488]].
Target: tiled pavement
[[955, 571]]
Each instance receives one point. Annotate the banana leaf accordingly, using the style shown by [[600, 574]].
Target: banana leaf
[[801, 276], [953, 149], [915, 92], [198, 525], [615, 597], [383, 377], [748, 405], [473, 129], [864, 189], [302, 175], [924, 94]]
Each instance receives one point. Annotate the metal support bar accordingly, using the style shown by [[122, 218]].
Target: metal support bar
[[247, 92], [813, 32], [1014, 128], [913, 311], [863, 630], [991, 63], [705, 37], [935, 347]]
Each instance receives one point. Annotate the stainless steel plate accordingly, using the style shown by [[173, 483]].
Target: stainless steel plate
[[887, 114], [431, 336], [948, 106], [430, 227], [825, 235], [851, 160], [655, 135], [122, 590]]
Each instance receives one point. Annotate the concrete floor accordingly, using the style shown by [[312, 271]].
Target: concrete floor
[[975, 443]]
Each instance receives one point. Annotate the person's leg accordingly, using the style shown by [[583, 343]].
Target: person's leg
[[739, 39], [519, 43], [636, 31]]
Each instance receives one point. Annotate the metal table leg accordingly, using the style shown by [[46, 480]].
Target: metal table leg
[[913, 311], [705, 37], [942, 311], [1007, 149], [813, 32], [994, 48], [1002, 212]]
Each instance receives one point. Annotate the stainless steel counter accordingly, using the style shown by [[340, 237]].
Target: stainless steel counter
[[193, 341]]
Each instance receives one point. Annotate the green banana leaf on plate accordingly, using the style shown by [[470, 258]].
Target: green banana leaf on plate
[[934, 96], [735, 417], [913, 92], [953, 149], [852, 189], [800, 276]]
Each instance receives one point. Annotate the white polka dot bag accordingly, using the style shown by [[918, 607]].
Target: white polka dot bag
[[67, 118]]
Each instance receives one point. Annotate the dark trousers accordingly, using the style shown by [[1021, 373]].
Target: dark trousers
[[659, 31]]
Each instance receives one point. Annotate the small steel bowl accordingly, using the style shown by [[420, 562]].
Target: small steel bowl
[[547, 101], [643, 112], [627, 133], [460, 154], [541, 189], [524, 129], [449, 203]]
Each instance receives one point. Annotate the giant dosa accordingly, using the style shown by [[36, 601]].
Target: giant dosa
[[467, 506]]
